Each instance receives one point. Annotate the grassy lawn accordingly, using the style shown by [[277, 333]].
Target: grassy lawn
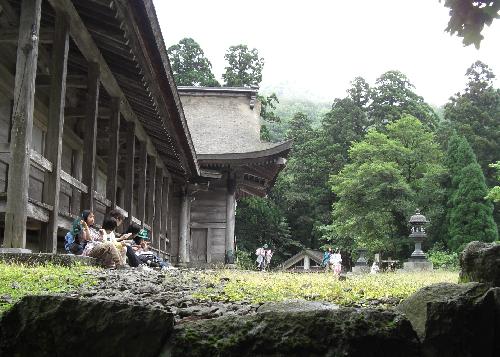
[[258, 287], [18, 280]]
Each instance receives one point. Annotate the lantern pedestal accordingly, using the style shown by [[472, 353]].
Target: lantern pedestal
[[361, 266], [417, 265]]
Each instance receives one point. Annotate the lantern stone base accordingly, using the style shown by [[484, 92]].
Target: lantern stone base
[[417, 265], [360, 269]]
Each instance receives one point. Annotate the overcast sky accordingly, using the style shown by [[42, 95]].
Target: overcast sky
[[319, 46]]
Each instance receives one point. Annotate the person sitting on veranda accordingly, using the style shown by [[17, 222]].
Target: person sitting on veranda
[[141, 249], [77, 237], [105, 252], [133, 228]]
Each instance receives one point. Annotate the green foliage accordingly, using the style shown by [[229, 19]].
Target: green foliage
[[259, 221], [470, 216], [468, 17], [268, 107], [494, 193], [387, 177], [244, 67], [301, 189], [244, 260], [18, 280], [286, 110], [475, 114], [190, 66], [393, 96], [442, 258], [258, 287]]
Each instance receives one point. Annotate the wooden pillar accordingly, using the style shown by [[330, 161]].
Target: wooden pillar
[[22, 125], [165, 207], [157, 222], [184, 228], [76, 172], [141, 195], [89, 141], [129, 173], [307, 263], [151, 191], [114, 151], [55, 125], [230, 219]]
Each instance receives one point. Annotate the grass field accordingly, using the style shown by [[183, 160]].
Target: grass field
[[256, 287], [17, 280]]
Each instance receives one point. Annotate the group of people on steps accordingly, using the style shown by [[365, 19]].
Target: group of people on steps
[[109, 248]]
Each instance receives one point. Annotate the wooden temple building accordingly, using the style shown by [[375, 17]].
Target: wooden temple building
[[91, 118]]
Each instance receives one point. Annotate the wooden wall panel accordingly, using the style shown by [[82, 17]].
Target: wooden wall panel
[[5, 110], [218, 239]]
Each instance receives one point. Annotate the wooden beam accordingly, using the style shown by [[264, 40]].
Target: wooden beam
[[80, 187], [113, 156], [102, 199], [89, 141], [150, 205], [129, 172], [141, 181], [22, 125], [55, 125], [11, 35], [72, 81], [41, 161], [157, 218]]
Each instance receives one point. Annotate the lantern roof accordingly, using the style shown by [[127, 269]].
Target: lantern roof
[[418, 218]]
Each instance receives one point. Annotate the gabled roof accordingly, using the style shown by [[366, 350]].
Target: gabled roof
[[315, 255]]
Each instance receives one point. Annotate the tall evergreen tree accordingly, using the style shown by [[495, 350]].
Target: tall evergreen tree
[[470, 215], [475, 114], [190, 66], [244, 67], [393, 96]]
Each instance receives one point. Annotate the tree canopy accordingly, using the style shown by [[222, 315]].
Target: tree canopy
[[468, 17], [244, 67], [475, 114], [389, 175], [393, 96], [470, 215], [190, 66]]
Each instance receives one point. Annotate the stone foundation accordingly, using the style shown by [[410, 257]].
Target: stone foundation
[[41, 258], [413, 266]]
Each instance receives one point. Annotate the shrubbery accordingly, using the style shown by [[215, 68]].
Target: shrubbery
[[443, 259]]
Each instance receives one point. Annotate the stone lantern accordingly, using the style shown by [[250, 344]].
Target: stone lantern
[[361, 265], [418, 260]]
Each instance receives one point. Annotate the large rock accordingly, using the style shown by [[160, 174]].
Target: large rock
[[296, 306], [342, 332], [61, 326], [481, 262], [455, 319]]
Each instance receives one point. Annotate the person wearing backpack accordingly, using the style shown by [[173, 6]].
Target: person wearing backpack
[[79, 235]]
